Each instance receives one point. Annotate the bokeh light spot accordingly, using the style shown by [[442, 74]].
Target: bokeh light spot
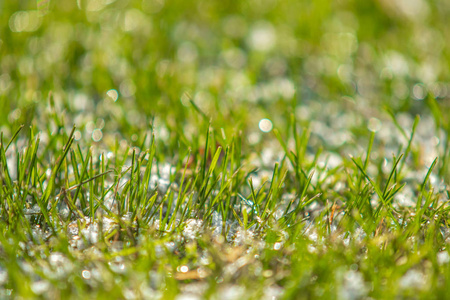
[[265, 125], [113, 94], [97, 135]]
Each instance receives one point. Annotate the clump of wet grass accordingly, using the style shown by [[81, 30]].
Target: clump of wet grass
[[126, 222]]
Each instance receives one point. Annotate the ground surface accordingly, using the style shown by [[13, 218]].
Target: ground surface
[[254, 149]]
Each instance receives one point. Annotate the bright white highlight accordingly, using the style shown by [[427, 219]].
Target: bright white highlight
[[265, 125]]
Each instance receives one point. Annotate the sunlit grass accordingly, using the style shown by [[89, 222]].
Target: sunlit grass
[[255, 150]]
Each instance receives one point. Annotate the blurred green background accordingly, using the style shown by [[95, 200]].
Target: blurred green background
[[238, 61]]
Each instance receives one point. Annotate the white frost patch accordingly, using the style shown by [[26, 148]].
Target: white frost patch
[[413, 279], [443, 257], [353, 286], [89, 230], [39, 287], [192, 228], [217, 223], [272, 292], [232, 292]]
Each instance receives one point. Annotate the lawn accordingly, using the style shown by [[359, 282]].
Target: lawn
[[256, 149]]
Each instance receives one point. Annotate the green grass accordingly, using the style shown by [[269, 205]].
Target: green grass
[[133, 163]]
